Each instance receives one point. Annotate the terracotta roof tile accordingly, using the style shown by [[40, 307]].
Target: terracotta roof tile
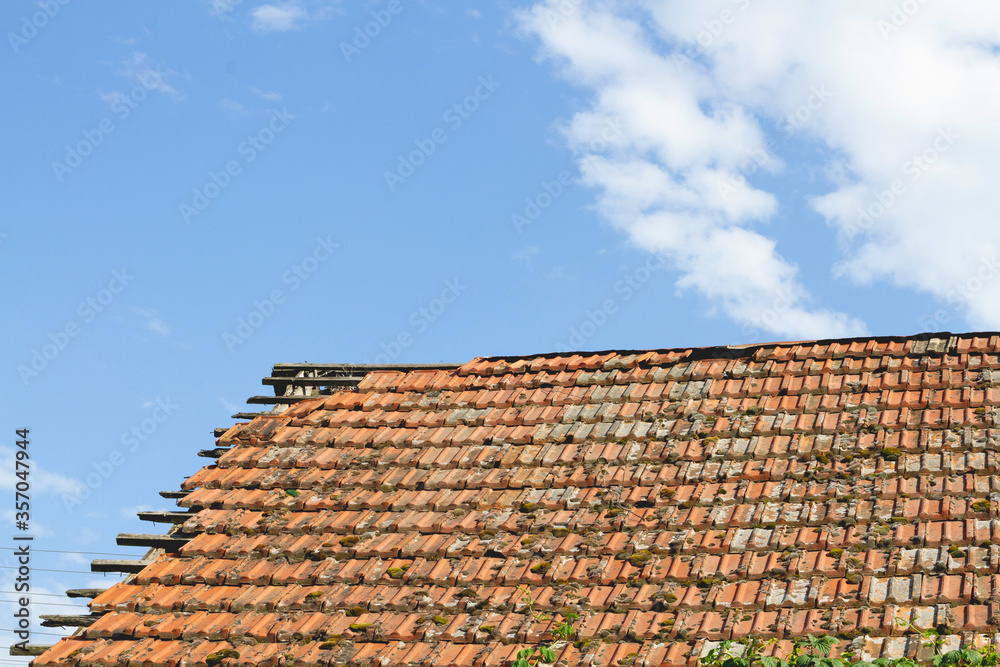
[[673, 498]]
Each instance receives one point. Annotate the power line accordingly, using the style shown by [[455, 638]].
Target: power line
[[44, 604], [63, 551], [51, 634], [35, 595], [40, 569]]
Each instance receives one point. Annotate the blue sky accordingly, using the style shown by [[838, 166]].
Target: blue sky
[[195, 191]]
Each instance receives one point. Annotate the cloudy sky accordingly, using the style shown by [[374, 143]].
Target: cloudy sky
[[195, 191]]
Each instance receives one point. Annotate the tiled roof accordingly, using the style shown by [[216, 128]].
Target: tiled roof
[[672, 498]]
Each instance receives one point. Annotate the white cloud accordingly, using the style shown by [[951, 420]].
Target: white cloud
[[42, 481], [38, 529], [896, 100], [145, 76], [75, 558], [142, 71], [151, 320], [129, 512], [232, 106], [278, 18], [526, 254], [270, 96], [290, 14], [557, 273]]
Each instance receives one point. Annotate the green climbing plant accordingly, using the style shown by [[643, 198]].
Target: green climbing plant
[[815, 651], [564, 631], [964, 657]]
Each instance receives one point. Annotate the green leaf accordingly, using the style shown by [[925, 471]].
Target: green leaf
[[806, 661], [972, 656], [822, 645], [952, 658], [548, 655], [292, 492], [771, 661], [563, 631]]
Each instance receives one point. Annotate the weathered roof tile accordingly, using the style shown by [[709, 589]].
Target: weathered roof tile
[[672, 498]]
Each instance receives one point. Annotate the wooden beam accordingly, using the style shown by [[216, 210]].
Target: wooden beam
[[165, 517], [84, 592], [213, 453], [364, 368], [279, 400], [32, 649], [113, 565], [165, 542], [322, 381], [68, 620]]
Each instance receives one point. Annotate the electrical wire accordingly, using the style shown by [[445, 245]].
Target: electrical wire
[[35, 595], [63, 551], [40, 569], [45, 604], [51, 634]]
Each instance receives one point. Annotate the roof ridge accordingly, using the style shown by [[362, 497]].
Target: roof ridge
[[709, 349]]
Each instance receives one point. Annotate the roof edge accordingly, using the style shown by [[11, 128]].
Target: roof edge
[[727, 350]]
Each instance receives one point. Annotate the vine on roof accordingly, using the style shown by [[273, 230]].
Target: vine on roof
[[813, 651], [546, 653]]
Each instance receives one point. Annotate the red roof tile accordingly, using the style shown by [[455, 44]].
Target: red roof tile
[[672, 498]]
